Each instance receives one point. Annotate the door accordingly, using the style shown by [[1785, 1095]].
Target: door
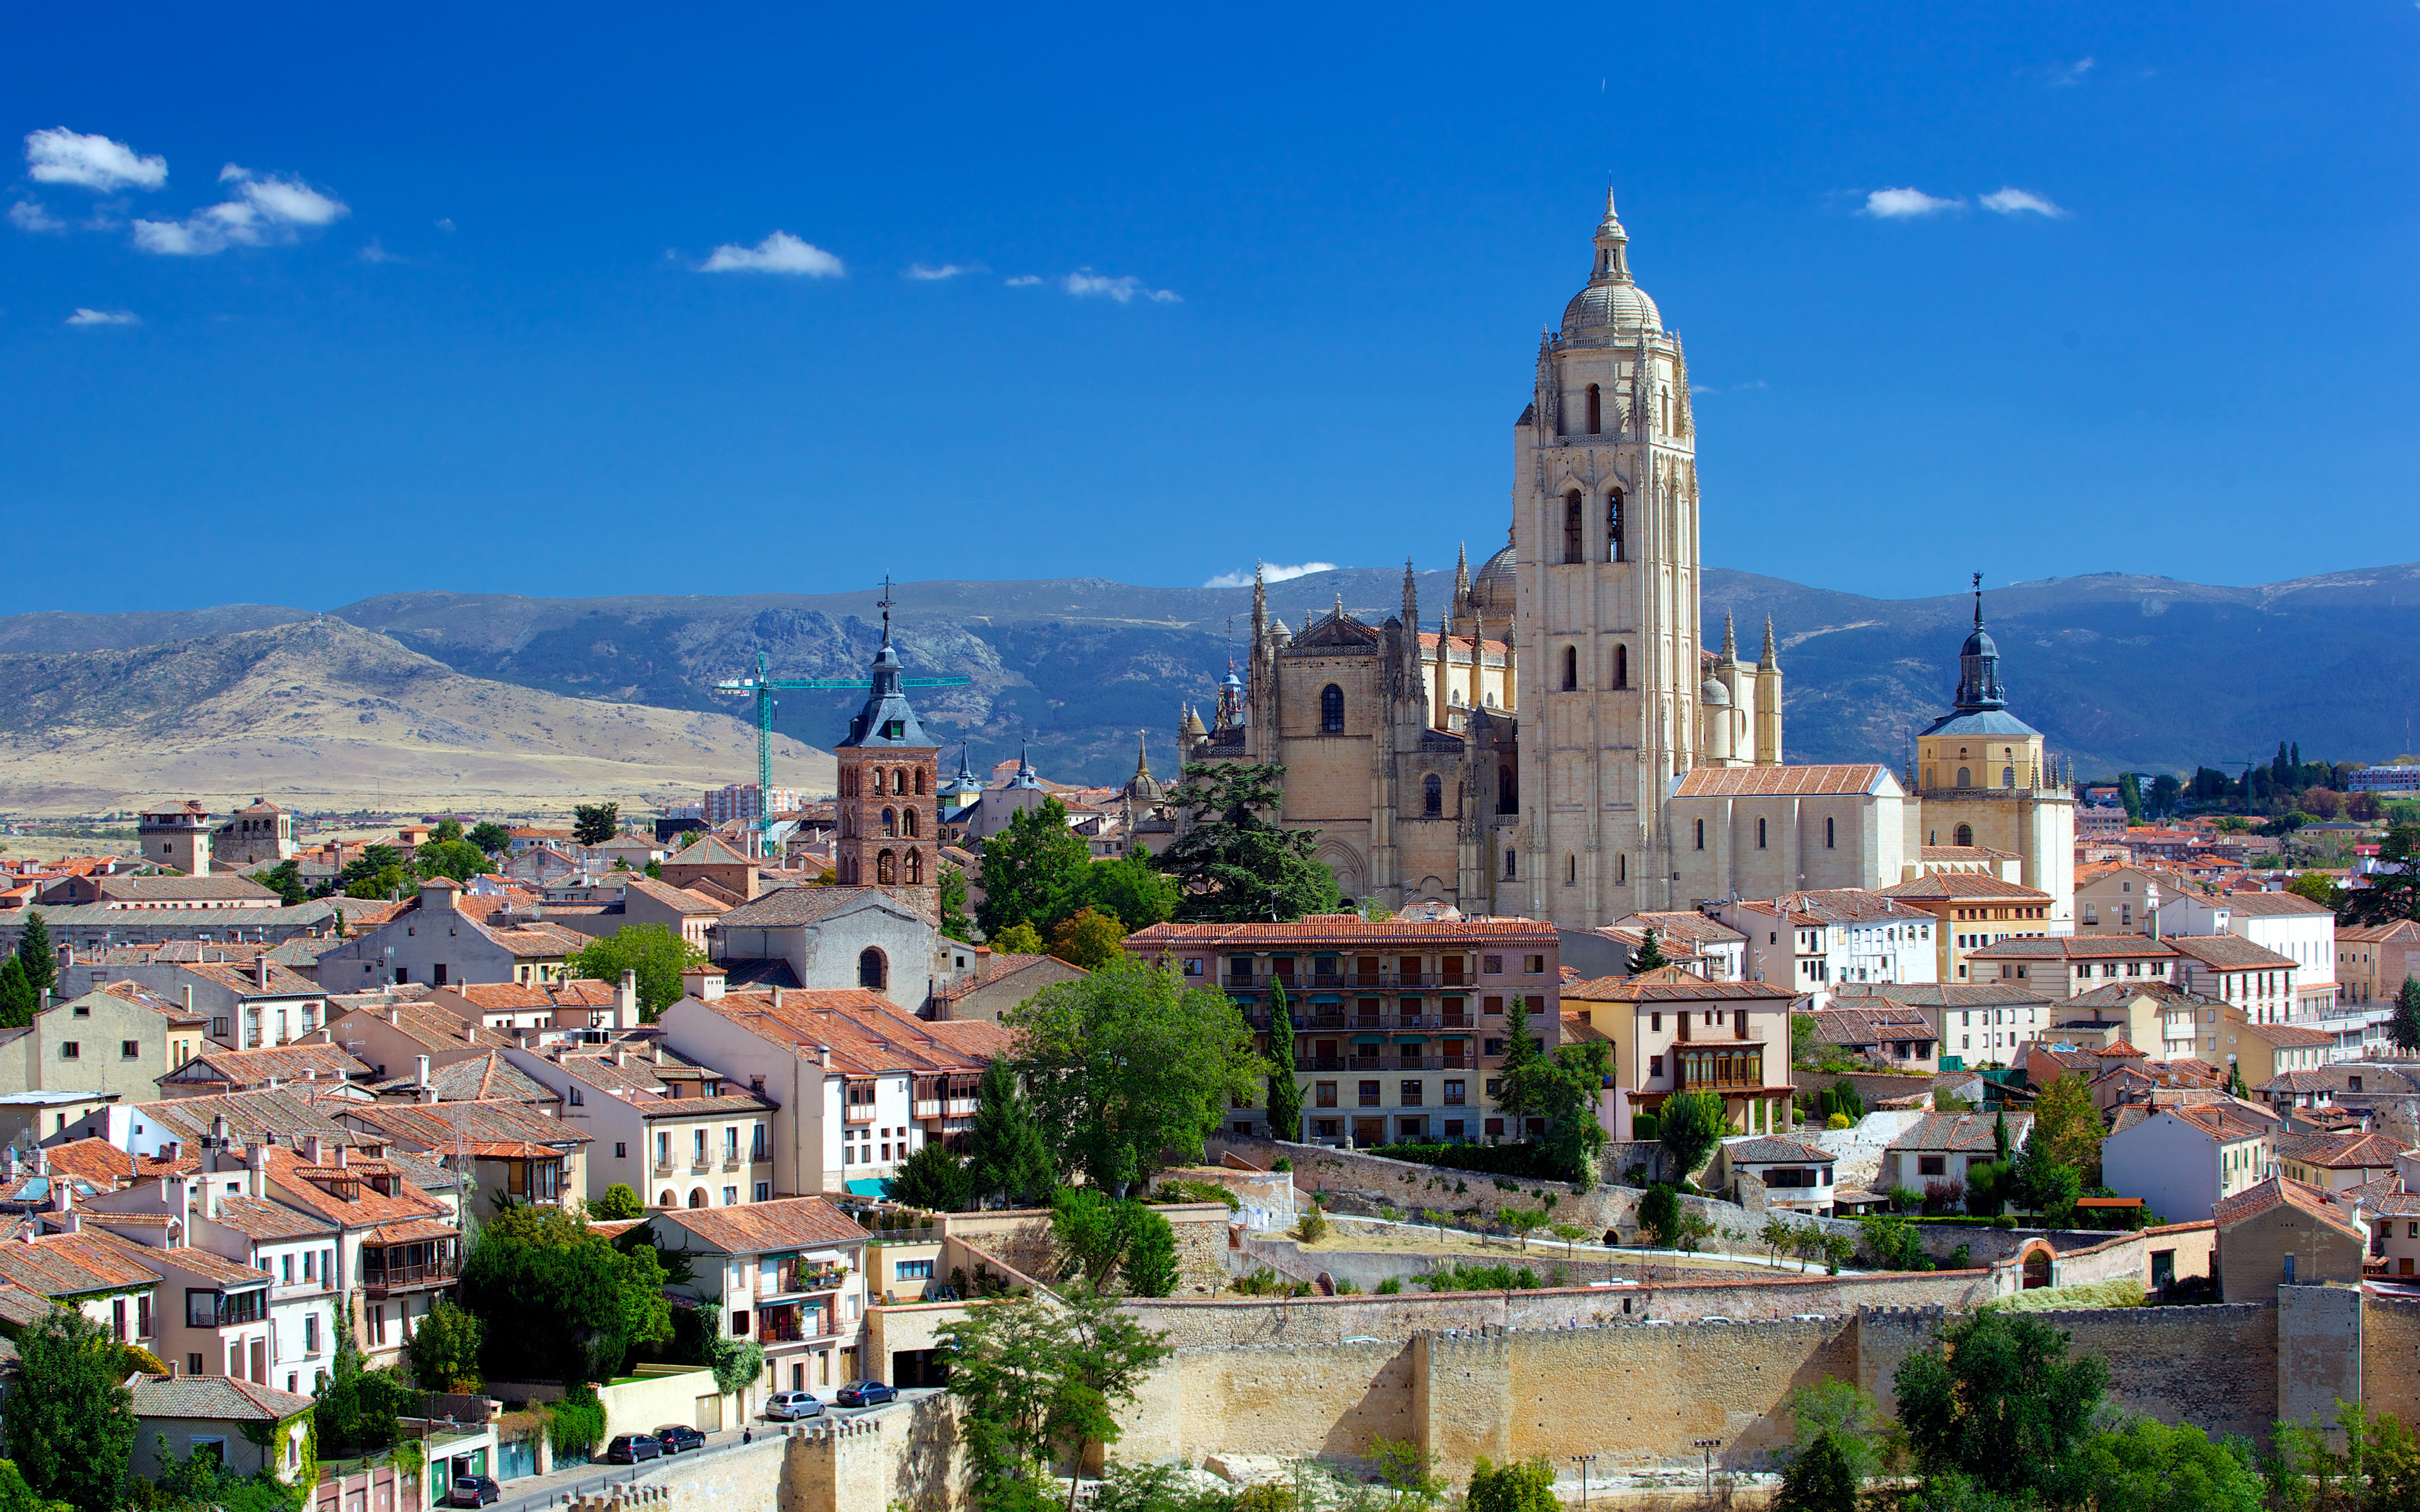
[[709, 1414], [1369, 1132]]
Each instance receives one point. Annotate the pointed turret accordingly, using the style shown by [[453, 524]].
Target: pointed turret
[[1411, 599], [1768, 701], [1461, 581], [1769, 661], [1260, 604], [1730, 657], [1979, 665], [1142, 788], [1612, 243]]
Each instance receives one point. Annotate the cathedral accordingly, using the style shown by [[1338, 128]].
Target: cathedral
[[1559, 741]]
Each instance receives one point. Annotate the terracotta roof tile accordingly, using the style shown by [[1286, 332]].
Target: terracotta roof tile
[[1750, 781], [2279, 1191], [765, 1228], [2232, 952], [243, 1070], [1946, 886], [1666, 985], [229, 1398], [1344, 931]]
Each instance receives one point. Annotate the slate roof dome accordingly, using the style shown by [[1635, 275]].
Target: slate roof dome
[[1611, 307], [1492, 590]]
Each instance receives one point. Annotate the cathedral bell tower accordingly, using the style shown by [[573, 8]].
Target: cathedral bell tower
[[889, 787], [1605, 534]]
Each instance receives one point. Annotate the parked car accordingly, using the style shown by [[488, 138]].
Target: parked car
[[473, 1491], [789, 1406], [678, 1437], [866, 1394], [631, 1448]]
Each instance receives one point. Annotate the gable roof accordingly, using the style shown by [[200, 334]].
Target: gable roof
[[1681, 924], [998, 966], [264, 1220], [680, 899], [791, 906], [1871, 1026], [707, 850], [434, 1127], [69, 1265], [1939, 993], [344, 1193], [2285, 1192], [759, 1227], [2340, 1151], [2273, 904], [227, 1398], [2072, 947], [1668, 984], [2287, 1035], [1759, 781], [2231, 952], [488, 1078], [1770, 1149], [1946, 886], [283, 1115], [108, 1168], [242, 1071], [867, 1034], [1961, 1133], [1836, 905]]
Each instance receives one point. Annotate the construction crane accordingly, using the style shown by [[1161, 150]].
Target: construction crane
[[764, 685]]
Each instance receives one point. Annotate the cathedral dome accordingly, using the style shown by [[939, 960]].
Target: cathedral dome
[[1714, 695], [1492, 590], [1611, 306]]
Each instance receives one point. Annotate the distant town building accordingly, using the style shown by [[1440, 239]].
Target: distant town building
[[735, 802], [2404, 779]]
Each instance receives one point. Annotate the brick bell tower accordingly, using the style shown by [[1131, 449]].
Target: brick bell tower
[[890, 784]]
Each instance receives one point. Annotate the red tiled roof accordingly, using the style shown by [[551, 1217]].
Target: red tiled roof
[[1672, 985], [1946, 886], [2280, 1191], [1344, 931], [1757, 781], [764, 1228], [2073, 947]]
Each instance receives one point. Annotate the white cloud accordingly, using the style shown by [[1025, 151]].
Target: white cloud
[[26, 215], [780, 253], [1698, 390], [1903, 204], [2068, 75], [266, 209], [1084, 283], [926, 274], [59, 156], [377, 254], [1024, 281], [1270, 572], [103, 317], [2019, 202], [446, 223]]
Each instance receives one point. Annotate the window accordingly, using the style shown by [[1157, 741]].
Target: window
[[872, 972], [1368, 1094], [1508, 792], [1412, 1098], [1571, 869], [1453, 1092], [1573, 551], [130, 1049], [1331, 710], [1965, 779], [1966, 833], [1322, 1094], [1655, 1065], [1760, 834], [71, 1050], [1595, 409], [1701, 834], [911, 1269], [730, 1196], [1491, 965], [763, 1191], [1613, 550], [2008, 777], [1932, 1164], [1827, 835], [908, 822], [1432, 795], [1571, 669], [1508, 865], [1621, 666], [1533, 965], [311, 1333]]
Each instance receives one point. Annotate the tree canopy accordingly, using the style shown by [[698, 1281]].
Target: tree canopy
[[2067, 1124], [17, 1000], [1034, 871], [38, 956], [71, 1418], [1128, 1067], [1285, 1099], [1007, 1158], [2394, 890], [559, 1301], [1691, 1124], [1088, 939], [655, 953], [1234, 865], [1999, 1402], [1649, 955], [490, 837], [1034, 1382], [594, 824], [2404, 1028], [935, 1178], [444, 1350]]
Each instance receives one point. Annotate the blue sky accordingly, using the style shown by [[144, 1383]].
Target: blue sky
[[297, 306]]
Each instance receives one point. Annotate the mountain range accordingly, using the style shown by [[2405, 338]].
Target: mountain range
[[502, 698]]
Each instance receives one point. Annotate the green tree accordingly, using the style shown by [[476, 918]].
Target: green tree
[[1150, 1265], [2394, 890], [1132, 888], [594, 824], [1649, 955], [1659, 1213], [956, 922], [1284, 1092], [2130, 793], [655, 953], [2319, 887], [1563, 1090], [285, 880], [446, 830], [1528, 1486], [1035, 1381], [1999, 1402], [16, 1496], [2044, 1184], [559, 1301], [490, 837], [71, 1420], [1234, 865], [1818, 1479], [38, 957], [736, 1363], [1019, 939], [1846, 1414], [456, 858], [1127, 1068], [2148, 1466], [1088, 939], [2067, 1122], [1091, 1230], [1033, 872], [934, 1178], [1516, 1073], [378, 871], [17, 1002], [358, 1405], [1989, 1185], [2405, 1025], [1006, 1155], [618, 1203], [1692, 1124], [444, 1350], [2165, 791]]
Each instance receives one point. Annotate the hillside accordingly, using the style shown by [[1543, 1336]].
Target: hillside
[[2119, 670], [327, 715]]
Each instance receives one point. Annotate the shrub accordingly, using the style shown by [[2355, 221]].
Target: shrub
[[1659, 1213], [1460, 1277], [576, 1424], [1391, 1287], [1528, 1161], [1283, 1162], [1891, 1243], [1525, 1486], [1311, 1226]]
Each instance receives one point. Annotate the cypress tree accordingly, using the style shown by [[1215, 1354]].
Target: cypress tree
[[40, 961], [1649, 955], [2405, 1025], [1005, 1152], [1285, 1093], [1521, 1060], [16, 995]]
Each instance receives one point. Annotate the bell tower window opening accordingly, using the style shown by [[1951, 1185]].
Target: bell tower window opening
[[889, 823], [1595, 409], [1613, 546], [886, 869], [1331, 710], [908, 822], [920, 785], [1571, 669], [915, 869], [1432, 795], [2008, 777], [1575, 549], [1621, 666]]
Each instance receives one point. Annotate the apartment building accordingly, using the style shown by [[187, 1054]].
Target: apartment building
[[2256, 982], [674, 1131], [114, 1041], [2183, 1161], [2071, 965], [1939, 1149], [1674, 1032], [1814, 942], [2373, 961], [1396, 1023], [1975, 909], [2112, 898], [1974, 1023], [789, 1273]]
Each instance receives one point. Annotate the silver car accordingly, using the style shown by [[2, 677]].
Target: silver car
[[790, 1406]]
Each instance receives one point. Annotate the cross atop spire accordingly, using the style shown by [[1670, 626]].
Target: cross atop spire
[[884, 605], [1978, 601]]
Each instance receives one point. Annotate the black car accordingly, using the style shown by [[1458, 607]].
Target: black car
[[679, 1437], [631, 1448], [866, 1394], [473, 1491]]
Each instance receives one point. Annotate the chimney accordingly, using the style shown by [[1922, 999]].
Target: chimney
[[395, 1018], [311, 1150], [219, 1132], [189, 999], [776, 995], [342, 1152], [621, 1057], [625, 1002], [703, 982], [420, 1077], [44, 1005], [823, 1057]]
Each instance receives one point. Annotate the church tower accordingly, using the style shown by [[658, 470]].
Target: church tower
[[1606, 536], [889, 782]]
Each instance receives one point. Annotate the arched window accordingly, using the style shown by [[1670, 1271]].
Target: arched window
[[886, 871], [1595, 409], [1571, 668], [873, 971], [1928, 777], [899, 780], [1432, 795], [849, 824], [1701, 834], [920, 780], [1621, 666], [1331, 710], [697, 1196], [889, 823], [1613, 551], [1963, 835], [1760, 834], [1508, 790], [1574, 527], [2008, 777], [1965, 777], [1827, 835], [915, 869], [1508, 864], [908, 822], [666, 1200]]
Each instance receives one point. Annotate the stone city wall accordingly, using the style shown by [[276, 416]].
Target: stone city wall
[[1021, 1237], [2390, 1355]]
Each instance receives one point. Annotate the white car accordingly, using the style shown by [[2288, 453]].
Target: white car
[[790, 1406]]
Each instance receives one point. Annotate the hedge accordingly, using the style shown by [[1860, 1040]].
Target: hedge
[[1526, 1160]]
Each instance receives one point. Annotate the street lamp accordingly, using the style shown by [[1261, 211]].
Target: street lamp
[[1707, 1447], [1584, 1461]]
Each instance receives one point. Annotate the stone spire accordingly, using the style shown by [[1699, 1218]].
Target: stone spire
[[1730, 643], [1411, 602], [1770, 661], [1979, 665], [1461, 580], [1612, 241], [1260, 605], [1143, 756]]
